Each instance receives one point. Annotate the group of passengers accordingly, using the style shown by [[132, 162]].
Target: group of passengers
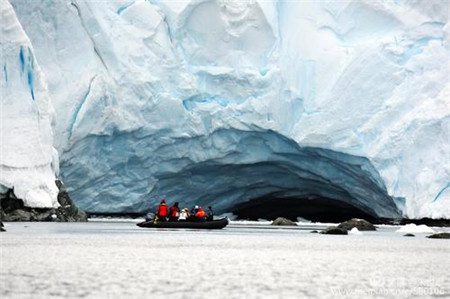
[[164, 213]]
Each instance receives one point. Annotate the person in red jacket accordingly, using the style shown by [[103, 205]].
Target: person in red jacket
[[174, 212], [200, 215], [163, 211]]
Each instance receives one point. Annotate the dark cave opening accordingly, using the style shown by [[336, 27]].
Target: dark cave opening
[[317, 209]]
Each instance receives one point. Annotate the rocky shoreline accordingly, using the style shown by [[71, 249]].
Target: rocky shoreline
[[13, 209]]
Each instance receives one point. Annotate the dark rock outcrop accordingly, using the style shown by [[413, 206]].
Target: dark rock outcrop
[[439, 236], [360, 224], [283, 222], [68, 210], [334, 230], [2, 229], [408, 235], [13, 209]]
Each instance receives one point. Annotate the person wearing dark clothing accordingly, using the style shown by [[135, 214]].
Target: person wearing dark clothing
[[194, 210], [163, 211], [174, 212], [209, 214]]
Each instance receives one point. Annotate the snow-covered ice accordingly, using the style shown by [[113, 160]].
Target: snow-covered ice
[[28, 161]]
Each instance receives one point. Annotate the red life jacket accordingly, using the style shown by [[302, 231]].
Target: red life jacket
[[162, 211], [174, 212], [200, 213]]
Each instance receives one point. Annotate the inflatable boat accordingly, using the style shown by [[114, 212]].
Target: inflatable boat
[[214, 224]]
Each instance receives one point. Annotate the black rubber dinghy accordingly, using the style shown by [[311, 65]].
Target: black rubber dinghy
[[214, 224]]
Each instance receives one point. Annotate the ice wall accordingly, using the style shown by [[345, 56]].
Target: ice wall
[[364, 78], [28, 161], [225, 169]]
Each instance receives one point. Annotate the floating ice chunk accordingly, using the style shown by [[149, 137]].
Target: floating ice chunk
[[355, 231], [415, 229], [303, 220]]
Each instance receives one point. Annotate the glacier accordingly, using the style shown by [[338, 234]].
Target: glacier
[[241, 104], [28, 161]]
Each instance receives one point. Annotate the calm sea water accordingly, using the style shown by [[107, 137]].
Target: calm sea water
[[120, 260]]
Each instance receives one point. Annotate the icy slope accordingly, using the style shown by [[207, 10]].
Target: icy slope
[[130, 78], [28, 161]]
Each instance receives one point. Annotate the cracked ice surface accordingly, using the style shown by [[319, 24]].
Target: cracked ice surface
[[365, 78]]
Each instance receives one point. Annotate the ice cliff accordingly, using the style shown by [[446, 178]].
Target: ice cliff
[[28, 161], [342, 104]]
